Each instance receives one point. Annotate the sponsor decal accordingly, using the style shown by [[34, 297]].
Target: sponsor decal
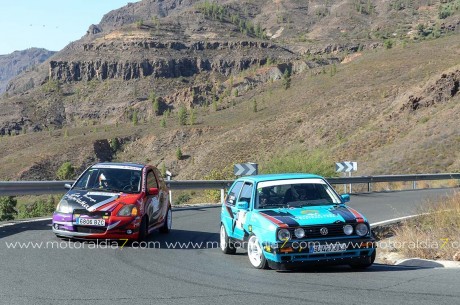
[[303, 212], [88, 202]]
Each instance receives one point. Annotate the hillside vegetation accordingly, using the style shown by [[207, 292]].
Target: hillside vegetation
[[292, 85]]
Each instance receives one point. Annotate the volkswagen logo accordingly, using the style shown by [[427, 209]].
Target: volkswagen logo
[[323, 231]]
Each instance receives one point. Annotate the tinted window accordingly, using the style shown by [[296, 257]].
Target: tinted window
[[246, 193], [234, 192], [110, 179], [294, 195]]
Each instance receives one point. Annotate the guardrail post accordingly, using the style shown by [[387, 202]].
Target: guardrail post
[[414, 185], [222, 196], [369, 187]]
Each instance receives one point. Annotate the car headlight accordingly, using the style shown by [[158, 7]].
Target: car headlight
[[299, 233], [128, 210], [361, 229], [284, 234], [348, 229], [64, 207]]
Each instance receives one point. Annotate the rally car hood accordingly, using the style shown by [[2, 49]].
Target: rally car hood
[[311, 215], [92, 200]]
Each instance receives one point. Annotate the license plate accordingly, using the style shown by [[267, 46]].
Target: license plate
[[328, 248], [90, 222]]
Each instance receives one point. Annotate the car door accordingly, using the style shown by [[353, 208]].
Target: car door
[[163, 195], [228, 209], [240, 214], [153, 201]]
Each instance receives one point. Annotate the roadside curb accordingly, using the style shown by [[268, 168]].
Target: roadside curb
[[427, 263], [385, 229]]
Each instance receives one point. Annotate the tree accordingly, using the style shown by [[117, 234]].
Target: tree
[[155, 102], [8, 208], [192, 117], [254, 105], [156, 107], [135, 118], [182, 115], [115, 145], [179, 154], [65, 171], [287, 79]]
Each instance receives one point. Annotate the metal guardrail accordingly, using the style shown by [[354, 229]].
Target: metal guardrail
[[16, 188]]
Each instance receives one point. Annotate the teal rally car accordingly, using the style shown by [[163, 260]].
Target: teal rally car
[[287, 221]]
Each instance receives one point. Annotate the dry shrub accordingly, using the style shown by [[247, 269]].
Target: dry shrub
[[435, 234]]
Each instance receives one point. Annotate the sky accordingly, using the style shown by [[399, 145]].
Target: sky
[[49, 24]]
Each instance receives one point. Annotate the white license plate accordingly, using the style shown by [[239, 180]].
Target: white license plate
[[328, 248], [90, 222]]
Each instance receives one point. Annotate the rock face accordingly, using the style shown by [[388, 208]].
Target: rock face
[[184, 61], [19, 61], [442, 90]]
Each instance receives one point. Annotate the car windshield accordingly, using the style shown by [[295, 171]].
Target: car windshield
[[294, 193], [126, 180]]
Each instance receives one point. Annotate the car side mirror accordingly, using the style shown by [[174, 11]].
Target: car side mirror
[[242, 205], [153, 191], [67, 186], [345, 198]]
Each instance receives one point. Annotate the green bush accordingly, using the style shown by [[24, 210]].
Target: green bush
[[66, 171], [7, 208], [300, 161], [38, 208], [183, 198]]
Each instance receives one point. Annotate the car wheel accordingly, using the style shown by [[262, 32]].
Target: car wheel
[[166, 228], [143, 229], [366, 263], [225, 244], [256, 253]]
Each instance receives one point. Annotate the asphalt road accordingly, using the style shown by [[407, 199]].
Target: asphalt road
[[79, 273]]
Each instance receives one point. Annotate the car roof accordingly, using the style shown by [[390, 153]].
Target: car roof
[[138, 165], [272, 177]]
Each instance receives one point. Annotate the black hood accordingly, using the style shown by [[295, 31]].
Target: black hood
[[89, 200]]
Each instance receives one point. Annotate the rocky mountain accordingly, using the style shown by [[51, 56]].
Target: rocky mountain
[[149, 60], [11, 65]]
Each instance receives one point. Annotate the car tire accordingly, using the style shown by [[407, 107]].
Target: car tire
[[166, 228], [365, 263], [256, 254], [226, 244], [143, 229]]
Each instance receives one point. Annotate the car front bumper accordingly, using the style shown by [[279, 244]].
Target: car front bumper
[[64, 225], [294, 254]]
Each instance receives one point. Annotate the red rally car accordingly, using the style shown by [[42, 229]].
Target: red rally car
[[114, 201]]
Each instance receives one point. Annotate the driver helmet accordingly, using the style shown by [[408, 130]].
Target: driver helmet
[[103, 181]]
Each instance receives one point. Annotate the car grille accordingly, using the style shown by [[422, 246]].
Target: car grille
[[335, 230], [89, 229]]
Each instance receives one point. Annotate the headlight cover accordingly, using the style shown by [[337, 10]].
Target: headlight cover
[[64, 207], [128, 210], [362, 229], [348, 229], [299, 233], [284, 234]]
